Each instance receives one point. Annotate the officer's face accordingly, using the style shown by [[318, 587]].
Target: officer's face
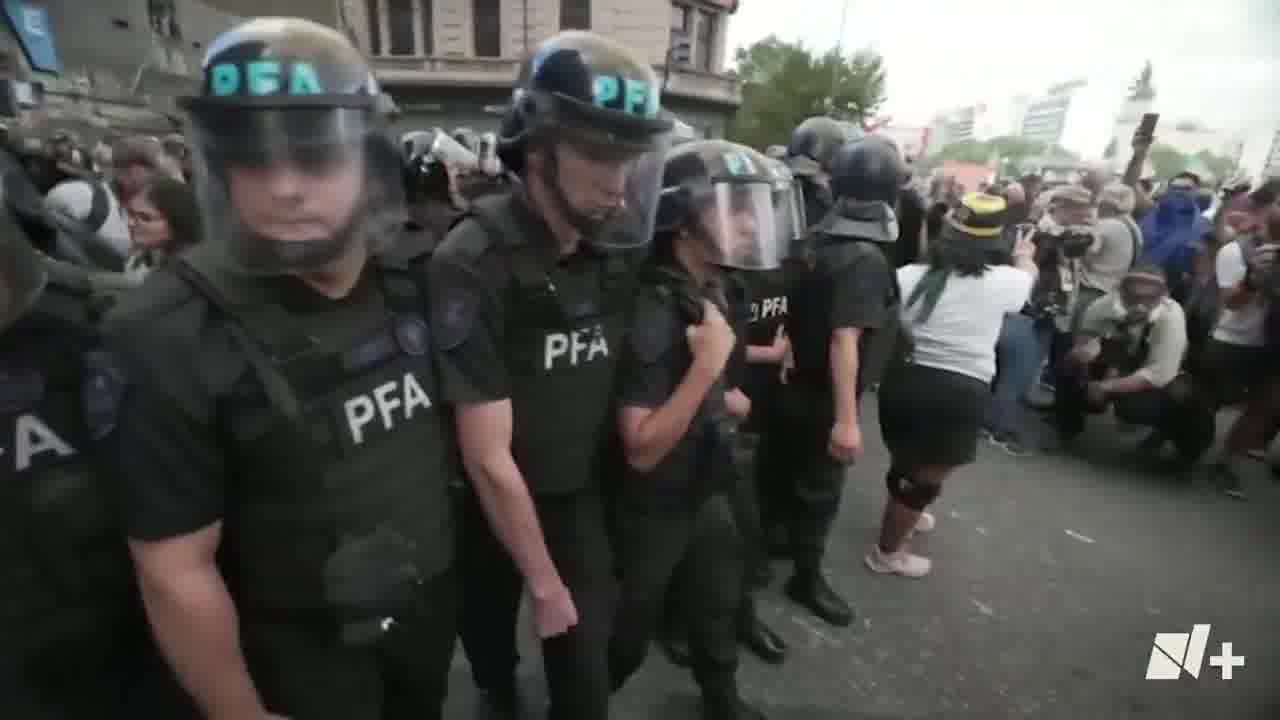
[[289, 203], [593, 179]]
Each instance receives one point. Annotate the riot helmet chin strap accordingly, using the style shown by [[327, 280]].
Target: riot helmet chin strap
[[588, 225]]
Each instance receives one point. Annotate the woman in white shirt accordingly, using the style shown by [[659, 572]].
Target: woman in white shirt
[[933, 403]]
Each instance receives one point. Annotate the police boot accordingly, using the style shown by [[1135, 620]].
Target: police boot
[[675, 645], [726, 704], [498, 704], [758, 637], [810, 589]]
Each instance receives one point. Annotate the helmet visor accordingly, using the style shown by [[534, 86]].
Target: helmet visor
[[616, 187], [285, 190], [740, 223], [788, 211]]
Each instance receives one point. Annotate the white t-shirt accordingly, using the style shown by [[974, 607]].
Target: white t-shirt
[[1243, 325], [960, 335], [74, 199]]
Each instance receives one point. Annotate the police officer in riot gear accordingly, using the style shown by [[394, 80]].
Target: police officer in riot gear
[[283, 460], [529, 294], [430, 202], [676, 414], [843, 327], [812, 149], [75, 638]]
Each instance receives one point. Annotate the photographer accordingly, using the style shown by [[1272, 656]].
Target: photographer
[[1129, 350], [1062, 239]]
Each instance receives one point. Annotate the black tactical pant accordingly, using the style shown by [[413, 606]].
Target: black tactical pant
[[576, 663], [1177, 411], [774, 469], [746, 518], [304, 672], [653, 540], [817, 479]]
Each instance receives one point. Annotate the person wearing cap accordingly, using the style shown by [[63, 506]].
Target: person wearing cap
[[530, 293], [1116, 246], [953, 308], [283, 457], [1128, 350]]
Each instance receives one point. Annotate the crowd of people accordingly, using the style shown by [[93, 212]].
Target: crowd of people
[[297, 406]]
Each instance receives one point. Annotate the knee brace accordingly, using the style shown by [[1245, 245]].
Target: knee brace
[[910, 492]]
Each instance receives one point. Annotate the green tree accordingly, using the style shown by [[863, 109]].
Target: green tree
[[1219, 166], [1166, 161], [784, 83]]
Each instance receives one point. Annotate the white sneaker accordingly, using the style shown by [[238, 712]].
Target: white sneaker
[[898, 563]]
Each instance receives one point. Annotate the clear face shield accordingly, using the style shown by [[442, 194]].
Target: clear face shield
[[610, 193], [292, 190], [741, 227], [788, 209], [488, 156]]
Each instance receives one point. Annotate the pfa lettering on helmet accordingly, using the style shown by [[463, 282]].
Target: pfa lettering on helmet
[[264, 78], [739, 164], [634, 97], [574, 348]]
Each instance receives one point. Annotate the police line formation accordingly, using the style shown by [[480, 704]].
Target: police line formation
[[394, 388]]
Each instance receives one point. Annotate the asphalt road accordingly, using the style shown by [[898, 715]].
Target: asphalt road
[[1052, 575]]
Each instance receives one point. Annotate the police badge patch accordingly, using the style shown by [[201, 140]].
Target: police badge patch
[[412, 335], [454, 315], [102, 392]]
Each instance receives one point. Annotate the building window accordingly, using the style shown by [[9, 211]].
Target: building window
[[400, 27], [706, 40], [488, 28], [679, 18], [374, 14], [575, 14], [426, 22]]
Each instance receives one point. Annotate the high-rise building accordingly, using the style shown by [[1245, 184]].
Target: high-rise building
[[1045, 118], [453, 62]]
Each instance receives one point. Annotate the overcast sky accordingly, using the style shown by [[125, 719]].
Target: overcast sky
[[1216, 61]]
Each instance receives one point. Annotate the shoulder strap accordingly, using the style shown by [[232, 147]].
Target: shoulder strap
[[100, 208], [262, 330]]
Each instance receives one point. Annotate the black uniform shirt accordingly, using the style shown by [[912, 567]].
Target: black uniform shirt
[[470, 277], [180, 361], [654, 362], [855, 295]]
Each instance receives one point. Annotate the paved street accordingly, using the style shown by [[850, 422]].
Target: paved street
[[1051, 577]]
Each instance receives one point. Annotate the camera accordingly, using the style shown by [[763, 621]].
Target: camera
[[1072, 241]]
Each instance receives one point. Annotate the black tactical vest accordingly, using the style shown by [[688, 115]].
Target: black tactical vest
[[326, 442], [809, 322], [564, 331], [69, 592], [767, 300]]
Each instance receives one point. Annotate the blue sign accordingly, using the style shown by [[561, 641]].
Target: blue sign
[[31, 23]]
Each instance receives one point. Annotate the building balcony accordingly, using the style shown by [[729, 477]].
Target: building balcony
[[445, 71], [687, 83], [435, 70]]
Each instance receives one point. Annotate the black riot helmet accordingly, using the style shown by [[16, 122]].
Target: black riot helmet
[[813, 145], [585, 100], [868, 170], [294, 166], [723, 194]]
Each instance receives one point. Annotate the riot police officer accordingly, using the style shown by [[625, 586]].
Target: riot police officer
[[283, 461], [428, 195], [812, 149], [842, 325], [76, 642], [676, 410], [529, 292]]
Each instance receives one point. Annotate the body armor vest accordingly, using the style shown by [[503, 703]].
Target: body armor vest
[[809, 322], [563, 334], [69, 593], [326, 441]]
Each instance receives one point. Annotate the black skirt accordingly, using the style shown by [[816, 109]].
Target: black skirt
[[930, 416]]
